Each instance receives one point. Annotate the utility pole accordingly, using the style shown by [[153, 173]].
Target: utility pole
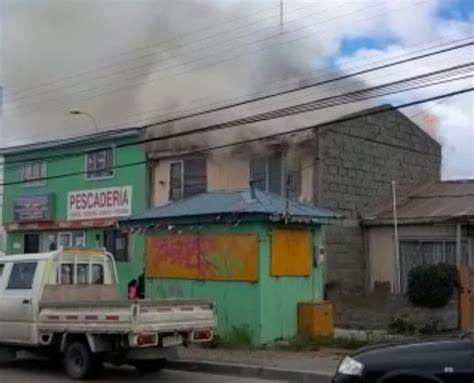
[[395, 230], [287, 195], [281, 16]]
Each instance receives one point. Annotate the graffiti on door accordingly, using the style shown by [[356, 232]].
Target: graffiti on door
[[204, 257]]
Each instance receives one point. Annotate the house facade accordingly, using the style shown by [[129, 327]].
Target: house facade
[[347, 167], [435, 224], [71, 192]]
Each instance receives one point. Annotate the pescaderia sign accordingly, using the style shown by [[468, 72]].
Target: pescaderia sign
[[100, 203]]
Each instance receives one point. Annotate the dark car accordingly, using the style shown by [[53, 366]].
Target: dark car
[[441, 361]]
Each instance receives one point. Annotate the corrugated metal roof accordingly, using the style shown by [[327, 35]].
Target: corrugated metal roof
[[238, 202], [435, 202], [76, 140]]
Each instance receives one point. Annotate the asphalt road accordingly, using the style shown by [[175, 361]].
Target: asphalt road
[[39, 371]]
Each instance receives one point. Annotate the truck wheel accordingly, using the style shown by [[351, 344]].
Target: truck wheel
[[80, 363], [149, 366], [7, 354]]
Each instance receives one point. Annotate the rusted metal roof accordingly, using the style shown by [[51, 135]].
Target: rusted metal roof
[[442, 201]]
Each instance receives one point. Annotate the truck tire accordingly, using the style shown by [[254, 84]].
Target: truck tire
[[7, 354], [149, 366], [80, 363]]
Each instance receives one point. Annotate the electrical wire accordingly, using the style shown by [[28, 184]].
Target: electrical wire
[[242, 142], [394, 87], [200, 59]]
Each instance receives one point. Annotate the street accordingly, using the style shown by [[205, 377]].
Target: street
[[40, 371]]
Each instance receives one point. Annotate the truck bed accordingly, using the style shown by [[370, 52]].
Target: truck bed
[[121, 316]]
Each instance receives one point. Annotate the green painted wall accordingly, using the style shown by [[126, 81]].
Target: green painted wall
[[268, 307], [237, 302], [279, 296], [135, 176]]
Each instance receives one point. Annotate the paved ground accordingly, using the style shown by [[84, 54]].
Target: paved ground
[[37, 371], [323, 361]]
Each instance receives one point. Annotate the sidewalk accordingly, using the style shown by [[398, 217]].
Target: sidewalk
[[324, 361]]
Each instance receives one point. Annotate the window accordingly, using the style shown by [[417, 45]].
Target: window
[[414, 253], [188, 177], [22, 276], [82, 274], [97, 275], [270, 173], [100, 164], [34, 173], [116, 243], [69, 239], [176, 181]]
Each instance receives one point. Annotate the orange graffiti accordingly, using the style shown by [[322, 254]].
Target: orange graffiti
[[203, 257]]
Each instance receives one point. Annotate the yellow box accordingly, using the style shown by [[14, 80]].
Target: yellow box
[[315, 319]]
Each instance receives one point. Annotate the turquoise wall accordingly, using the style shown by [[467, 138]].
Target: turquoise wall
[[237, 302], [268, 308], [279, 296], [135, 176]]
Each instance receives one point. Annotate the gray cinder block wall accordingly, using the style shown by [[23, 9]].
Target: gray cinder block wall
[[358, 159]]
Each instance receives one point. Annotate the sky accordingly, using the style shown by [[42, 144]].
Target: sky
[[132, 62]]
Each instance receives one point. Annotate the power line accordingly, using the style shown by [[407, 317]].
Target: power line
[[200, 59], [308, 86], [359, 95], [162, 113], [192, 43], [242, 142], [321, 80], [108, 65], [304, 87]]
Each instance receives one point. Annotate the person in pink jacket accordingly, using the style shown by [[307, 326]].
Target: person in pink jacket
[[133, 290]]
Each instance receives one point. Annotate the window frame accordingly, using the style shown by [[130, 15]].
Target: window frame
[[88, 175], [8, 283], [57, 234], [285, 170], [128, 245], [181, 163], [443, 240], [41, 181]]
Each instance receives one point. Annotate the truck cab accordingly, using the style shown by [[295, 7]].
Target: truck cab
[[22, 282]]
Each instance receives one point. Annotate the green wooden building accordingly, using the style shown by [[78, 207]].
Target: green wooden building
[[256, 255], [71, 192]]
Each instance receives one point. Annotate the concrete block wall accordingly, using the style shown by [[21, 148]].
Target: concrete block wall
[[358, 160], [377, 311]]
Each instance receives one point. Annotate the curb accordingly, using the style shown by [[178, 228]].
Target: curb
[[249, 371]]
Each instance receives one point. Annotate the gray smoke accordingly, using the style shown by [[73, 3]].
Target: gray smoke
[[259, 58], [209, 53]]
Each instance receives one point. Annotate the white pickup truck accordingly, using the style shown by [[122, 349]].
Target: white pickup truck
[[65, 304]]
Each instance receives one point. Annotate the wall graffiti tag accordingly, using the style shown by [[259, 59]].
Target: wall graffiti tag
[[205, 257]]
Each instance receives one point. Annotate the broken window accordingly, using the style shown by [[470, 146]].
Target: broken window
[[188, 177], [276, 173]]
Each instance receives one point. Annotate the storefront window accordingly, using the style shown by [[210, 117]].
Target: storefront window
[[64, 239], [116, 243]]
